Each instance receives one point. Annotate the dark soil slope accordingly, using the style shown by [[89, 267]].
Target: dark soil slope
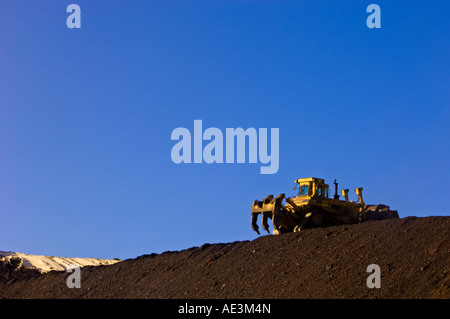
[[413, 255]]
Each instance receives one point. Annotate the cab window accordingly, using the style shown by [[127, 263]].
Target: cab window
[[303, 190]]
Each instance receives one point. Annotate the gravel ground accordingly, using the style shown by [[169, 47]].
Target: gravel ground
[[413, 255]]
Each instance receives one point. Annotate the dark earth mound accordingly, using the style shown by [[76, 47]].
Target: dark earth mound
[[413, 255]]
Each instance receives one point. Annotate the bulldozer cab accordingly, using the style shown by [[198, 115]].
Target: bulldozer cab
[[312, 187]]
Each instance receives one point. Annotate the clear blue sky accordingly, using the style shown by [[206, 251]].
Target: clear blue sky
[[86, 115]]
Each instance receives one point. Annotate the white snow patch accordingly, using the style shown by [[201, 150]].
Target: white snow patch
[[49, 263]]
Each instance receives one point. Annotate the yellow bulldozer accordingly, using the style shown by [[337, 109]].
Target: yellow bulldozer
[[312, 207]]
